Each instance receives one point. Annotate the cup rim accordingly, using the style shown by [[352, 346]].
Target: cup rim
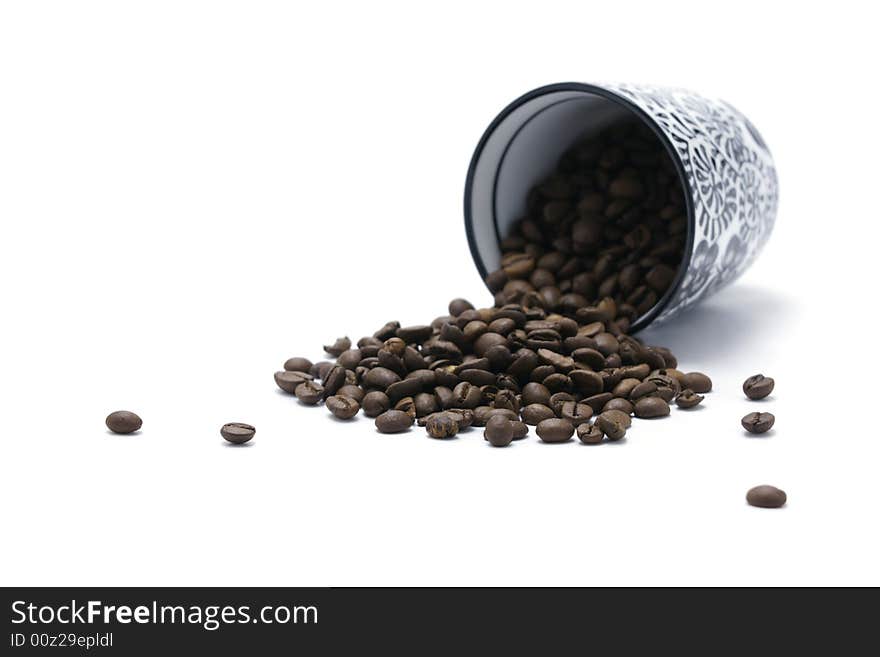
[[643, 320]]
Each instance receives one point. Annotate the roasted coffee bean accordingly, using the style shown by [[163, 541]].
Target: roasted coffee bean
[[338, 347], [590, 434], [650, 407], [555, 430], [687, 398], [535, 393], [123, 422], [335, 379], [520, 429], [237, 433], [441, 425], [535, 413], [499, 431], [319, 370], [506, 399], [375, 403], [288, 381], [463, 416], [586, 382], [575, 412], [387, 331], [414, 334], [444, 397], [298, 364], [478, 377], [310, 392], [425, 404], [393, 346], [405, 388], [697, 381], [625, 387], [342, 407], [466, 395], [458, 306], [349, 359], [612, 424], [758, 386], [767, 497], [618, 404], [758, 422], [597, 402], [393, 421], [589, 357], [380, 377], [355, 392]]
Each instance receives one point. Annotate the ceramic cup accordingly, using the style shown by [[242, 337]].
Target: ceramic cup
[[723, 164]]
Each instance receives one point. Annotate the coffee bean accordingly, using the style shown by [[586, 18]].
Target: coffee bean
[[758, 422], [375, 403], [342, 407], [697, 381], [393, 421], [425, 404], [618, 404], [458, 306], [380, 377], [466, 395], [758, 386], [590, 434], [555, 430], [298, 364], [767, 497], [687, 398], [338, 347], [319, 370], [335, 379], [389, 330], [644, 389], [613, 424], [353, 391], [441, 425], [650, 407], [586, 382], [349, 359], [309, 392], [535, 413], [414, 334], [405, 388], [499, 431], [535, 393], [597, 402], [123, 422], [237, 433], [520, 429], [575, 412], [465, 417], [288, 381]]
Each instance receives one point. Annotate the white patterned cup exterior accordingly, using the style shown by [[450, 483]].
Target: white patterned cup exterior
[[725, 166]]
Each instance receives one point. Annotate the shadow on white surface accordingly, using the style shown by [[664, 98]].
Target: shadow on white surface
[[737, 321]]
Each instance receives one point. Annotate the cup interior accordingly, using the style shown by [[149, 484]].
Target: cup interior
[[522, 148]]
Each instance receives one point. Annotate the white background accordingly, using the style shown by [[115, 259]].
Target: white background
[[190, 193]]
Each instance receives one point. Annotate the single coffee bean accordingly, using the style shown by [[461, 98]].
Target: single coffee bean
[[465, 417], [123, 422], [535, 393], [618, 404], [375, 403], [425, 404], [408, 406], [350, 359], [758, 386], [343, 408], [758, 422], [288, 381], [687, 398], [520, 429], [555, 430], [309, 392], [650, 407], [575, 412], [298, 364], [499, 431], [458, 306], [405, 388], [697, 381], [335, 379], [380, 377], [612, 424], [466, 395], [597, 402], [414, 334], [354, 392], [237, 433], [441, 425], [766, 497], [393, 421], [338, 347], [644, 389], [535, 413], [319, 370], [590, 434]]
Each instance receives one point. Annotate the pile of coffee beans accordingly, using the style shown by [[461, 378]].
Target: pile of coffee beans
[[603, 237], [504, 368]]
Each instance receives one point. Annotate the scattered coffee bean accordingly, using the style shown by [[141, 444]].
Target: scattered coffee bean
[[697, 381], [767, 497], [590, 434], [758, 422], [442, 425], [687, 398], [499, 431], [237, 433], [288, 381], [393, 421], [309, 392], [342, 407], [758, 386], [375, 403], [555, 430], [650, 407], [123, 422], [613, 424], [338, 347], [298, 364]]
